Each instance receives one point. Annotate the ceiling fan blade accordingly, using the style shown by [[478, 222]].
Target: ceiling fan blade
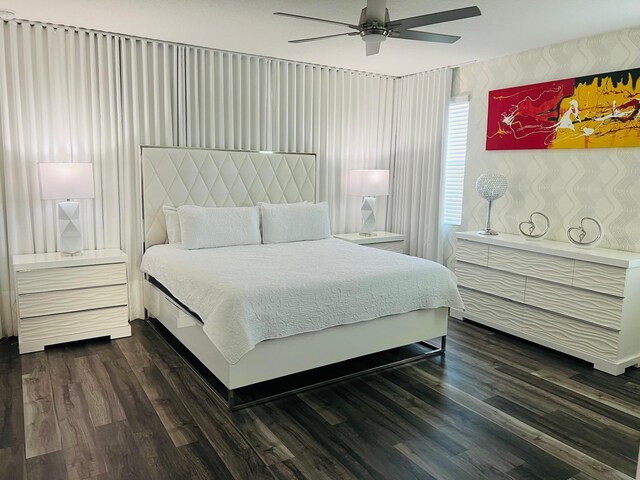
[[424, 36], [376, 11], [313, 39], [433, 18], [303, 17], [373, 48]]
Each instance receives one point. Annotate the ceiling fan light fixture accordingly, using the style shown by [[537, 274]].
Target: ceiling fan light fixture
[[376, 36]]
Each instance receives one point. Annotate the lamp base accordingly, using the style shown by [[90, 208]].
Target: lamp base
[[69, 228], [487, 232], [368, 216]]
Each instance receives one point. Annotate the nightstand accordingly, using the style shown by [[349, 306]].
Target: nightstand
[[63, 298], [393, 242]]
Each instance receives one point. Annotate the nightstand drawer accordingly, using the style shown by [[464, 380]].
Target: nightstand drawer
[[42, 328], [397, 247], [50, 279], [49, 303]]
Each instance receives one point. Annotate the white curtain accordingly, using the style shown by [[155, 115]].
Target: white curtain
[[58, 88], [415, 203], [245, 102], [82, 96], [78, 96], [148, 115]]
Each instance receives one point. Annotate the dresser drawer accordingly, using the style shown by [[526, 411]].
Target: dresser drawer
[[397, 247], [49, 326], [484, 279], [589, 306], [565, 334], [49, 303], [67, 278], [600, 278], [472, 252], [545, 267]]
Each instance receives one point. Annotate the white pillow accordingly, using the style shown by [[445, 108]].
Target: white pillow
[[294, 222], [304, 202], [172, 222], [203, 227]]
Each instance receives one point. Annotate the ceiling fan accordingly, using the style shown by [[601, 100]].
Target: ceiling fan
[[374, 26]]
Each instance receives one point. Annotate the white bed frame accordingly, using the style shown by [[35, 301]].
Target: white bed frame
[[179, 176]]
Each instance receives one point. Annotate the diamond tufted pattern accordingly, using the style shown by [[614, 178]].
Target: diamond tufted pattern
[[219, 178]]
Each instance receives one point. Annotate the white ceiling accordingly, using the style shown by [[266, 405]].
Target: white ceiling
[[505, 27]]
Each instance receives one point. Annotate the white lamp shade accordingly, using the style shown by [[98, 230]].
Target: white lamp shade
[[368, 183], [65, 180]]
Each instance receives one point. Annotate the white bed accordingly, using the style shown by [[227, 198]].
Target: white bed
[[251, 293], [286, 308]]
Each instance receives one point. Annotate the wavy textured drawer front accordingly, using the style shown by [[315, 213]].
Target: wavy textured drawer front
[[499, 283], [545, 267], [472, 252], [49, 279], [397, 247], [559, 330], [600, 278], [44, 328], [593, 307], [49, 303]]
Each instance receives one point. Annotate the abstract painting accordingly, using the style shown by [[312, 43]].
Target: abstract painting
[[597, 111]]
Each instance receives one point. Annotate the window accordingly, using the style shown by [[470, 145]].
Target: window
[[456, 152]]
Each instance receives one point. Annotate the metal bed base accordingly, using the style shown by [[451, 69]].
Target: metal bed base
[[233, 406], [230, 400]]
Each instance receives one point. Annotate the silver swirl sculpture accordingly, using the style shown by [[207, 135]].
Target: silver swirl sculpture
[[581, 237], [530, 230]]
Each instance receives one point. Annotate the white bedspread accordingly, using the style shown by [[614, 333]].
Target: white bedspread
[[247, 294]]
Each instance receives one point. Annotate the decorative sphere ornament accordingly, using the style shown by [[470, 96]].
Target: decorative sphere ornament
[[491, 186]]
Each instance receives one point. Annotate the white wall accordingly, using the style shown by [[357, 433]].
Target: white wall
[[564, 184]]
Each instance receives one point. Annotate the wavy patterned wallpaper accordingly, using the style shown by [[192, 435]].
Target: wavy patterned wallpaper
[[566, 184]]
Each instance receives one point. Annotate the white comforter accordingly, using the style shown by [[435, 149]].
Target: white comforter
[[247, 294]]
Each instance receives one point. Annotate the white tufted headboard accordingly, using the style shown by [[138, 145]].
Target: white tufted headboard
[[219, 178]]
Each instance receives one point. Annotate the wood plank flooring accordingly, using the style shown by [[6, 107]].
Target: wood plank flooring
[[494, 407]]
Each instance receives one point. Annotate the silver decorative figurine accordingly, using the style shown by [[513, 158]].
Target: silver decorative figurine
[[491, 186], [581, 238], [530, 230]]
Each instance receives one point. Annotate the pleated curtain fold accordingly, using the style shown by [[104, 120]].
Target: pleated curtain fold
[[415, 204], [236, 101]]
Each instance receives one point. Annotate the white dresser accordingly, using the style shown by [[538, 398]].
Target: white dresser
[[394, 242], [584, 302], [63, 298]]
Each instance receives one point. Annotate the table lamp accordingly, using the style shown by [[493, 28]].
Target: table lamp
[[491, 186], [66, 181], [368, 184]]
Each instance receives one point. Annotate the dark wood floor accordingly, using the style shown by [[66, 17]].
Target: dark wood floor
[[495, 407]]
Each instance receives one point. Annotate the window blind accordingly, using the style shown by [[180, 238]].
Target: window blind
[[456, 153]]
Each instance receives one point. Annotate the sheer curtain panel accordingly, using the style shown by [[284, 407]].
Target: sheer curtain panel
[[251, 103], [416, 194], [344, 117], [57, 104], [148, 113]]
